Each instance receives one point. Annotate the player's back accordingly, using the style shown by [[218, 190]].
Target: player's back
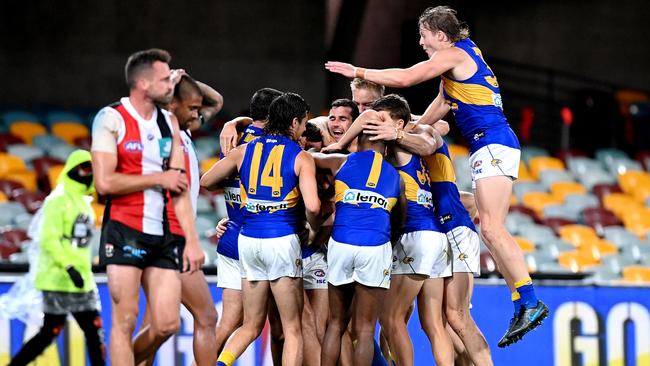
[[269, 187], [417, 191], [367, 188], [449, 209]]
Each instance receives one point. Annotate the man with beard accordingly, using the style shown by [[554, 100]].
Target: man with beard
[[137, 158]]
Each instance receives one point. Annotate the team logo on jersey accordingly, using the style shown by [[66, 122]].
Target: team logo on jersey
[[150, 136], [109, 250], [496, 100], [424, 198], [496, 162], [356, 196], [133, 146], [478, 136]]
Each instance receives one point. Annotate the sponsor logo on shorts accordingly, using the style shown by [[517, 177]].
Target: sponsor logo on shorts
[[496, 162], [257, 206], [134, 252], [109, 250], [408, 260], [319, 273], [386, 272], [477, 164], [133, 146], [355, 196]]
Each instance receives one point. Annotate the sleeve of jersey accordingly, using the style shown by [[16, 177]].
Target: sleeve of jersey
[[52, 232], [106, 130]]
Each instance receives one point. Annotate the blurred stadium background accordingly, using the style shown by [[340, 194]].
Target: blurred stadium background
[[575, 86]]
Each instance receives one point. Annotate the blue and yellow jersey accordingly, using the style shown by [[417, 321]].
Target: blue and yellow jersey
[[476, 104], [231, 192], [269, 187], [367, 187], [449, 210], [419, 213]]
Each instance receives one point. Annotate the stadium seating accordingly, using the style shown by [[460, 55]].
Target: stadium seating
[[539, 164], [27, 130], [636, 274], [54, 117], [70, 131], [562, 189]]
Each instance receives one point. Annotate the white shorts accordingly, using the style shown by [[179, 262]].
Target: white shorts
[[422, 252], [369, 266], [465, 249], [314, 272], [228, 272], [267, 259], [494, 160]]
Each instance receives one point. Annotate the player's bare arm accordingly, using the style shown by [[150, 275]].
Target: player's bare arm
[[306, 171], [230, 133]]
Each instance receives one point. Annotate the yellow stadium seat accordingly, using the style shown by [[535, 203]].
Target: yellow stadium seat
[[636, 274], [598, 248], [26, 178], [619, 203], [513, 200], [27, 130], [524, 174], [632, 179], [578, 235], [638, 222], [10, 164], [69, 131], [563, 189], [98, 208], [53, 175], [526, 245], [541, 163], [208, 163], [3, 197], [457, 151], [538, 200], [577, 261]]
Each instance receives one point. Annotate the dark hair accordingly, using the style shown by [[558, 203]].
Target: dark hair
[[347, 103], [186, 88], [443, 18], [141, 60], [359, 83], [395, 105], [261, 101], [282, 111], [312, 133]]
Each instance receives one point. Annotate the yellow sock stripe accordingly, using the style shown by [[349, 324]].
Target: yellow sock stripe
[[227, 357], [375, 170], [515, 296], [525, 281]]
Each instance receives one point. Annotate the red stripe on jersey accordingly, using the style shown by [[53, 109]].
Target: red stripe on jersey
[[128, 209]]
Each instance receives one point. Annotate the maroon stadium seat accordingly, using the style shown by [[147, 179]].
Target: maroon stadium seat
[[14, 236], [7, 248], [643, 157], [83, 142], [42, 165], [602, 190], [556, 223], [11, 188], [599, 217], [526, 211], [571, 153], [32, 201], [7, 139]]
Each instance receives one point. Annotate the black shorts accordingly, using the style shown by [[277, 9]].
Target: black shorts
[[123, 245]]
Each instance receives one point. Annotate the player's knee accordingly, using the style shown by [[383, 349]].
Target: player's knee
[[166, 328], [126, 321], [492, 233], [456, 318], [206, 318]]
